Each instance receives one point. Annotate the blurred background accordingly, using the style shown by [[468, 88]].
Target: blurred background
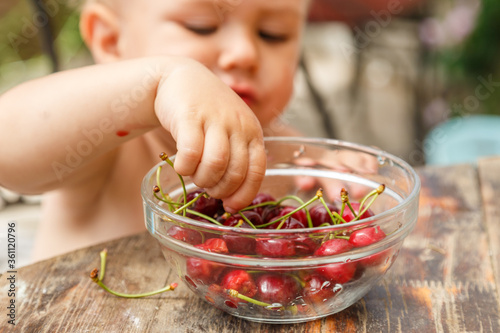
[[390, 73]]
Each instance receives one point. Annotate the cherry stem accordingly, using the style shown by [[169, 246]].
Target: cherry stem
[[170, 203], [247, 220], [165, 158], [375, 193], [342, 237], [277, 203], [296, 278], [235, 293], [97, 277], [103, 254], [158, 188], [183, 208], [283, 218], [344, 195], [336, 218], [301, 202], [262, 204], [206, 217]]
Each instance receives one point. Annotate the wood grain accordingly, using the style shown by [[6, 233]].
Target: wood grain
[[446, 278], [489, 176]]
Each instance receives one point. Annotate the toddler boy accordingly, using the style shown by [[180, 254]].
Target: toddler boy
[[198, 78]]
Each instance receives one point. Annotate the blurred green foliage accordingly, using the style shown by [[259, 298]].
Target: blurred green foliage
[[23, 39], [477, 57], [480, 52]]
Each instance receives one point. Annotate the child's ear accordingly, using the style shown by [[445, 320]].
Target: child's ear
[[100, 31]]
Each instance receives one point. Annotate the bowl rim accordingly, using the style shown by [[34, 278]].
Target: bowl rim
[[413, 195]]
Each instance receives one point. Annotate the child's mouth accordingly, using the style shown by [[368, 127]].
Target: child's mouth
[[246, 94], [247, 99]]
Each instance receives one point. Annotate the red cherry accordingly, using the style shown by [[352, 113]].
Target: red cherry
[[234, 220], [241, 244], [240, 281], [348, 215], [317, 289], [202, 271], [270, 212], [207, 271], [274, 288], [213, 292], [366, 236], [269, 247], [208, 206], [338, 272], [375, 259], [261, 198], [333, 246], [299, 215], [319, 214], [216, 245], [288, 223], [305, 246], [184, 234]]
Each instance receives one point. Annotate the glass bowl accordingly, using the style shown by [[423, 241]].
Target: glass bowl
[[291, 275]]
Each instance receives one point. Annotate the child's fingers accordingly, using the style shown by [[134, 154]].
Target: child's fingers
[[190, 142], [214, 160], [254, 176], [235, 172]]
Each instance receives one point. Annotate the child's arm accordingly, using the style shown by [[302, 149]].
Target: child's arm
[[45, 121]]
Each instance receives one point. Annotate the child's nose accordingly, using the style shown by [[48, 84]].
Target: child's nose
[[239, 51]]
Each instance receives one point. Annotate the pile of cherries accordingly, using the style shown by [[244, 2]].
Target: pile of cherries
[[274, 288]]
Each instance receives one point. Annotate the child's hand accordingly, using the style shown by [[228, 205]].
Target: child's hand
[[343, 161], [219, 139]]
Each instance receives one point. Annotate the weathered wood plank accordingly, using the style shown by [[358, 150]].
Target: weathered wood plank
[[449, 231], [58, 295], [489, 176]]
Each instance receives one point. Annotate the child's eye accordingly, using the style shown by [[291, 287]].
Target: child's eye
[[199, 30], [273, 37]]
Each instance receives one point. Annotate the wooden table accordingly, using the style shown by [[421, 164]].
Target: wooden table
[[446, 279]]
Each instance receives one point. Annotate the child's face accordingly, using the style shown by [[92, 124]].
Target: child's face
[[251, 45]]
